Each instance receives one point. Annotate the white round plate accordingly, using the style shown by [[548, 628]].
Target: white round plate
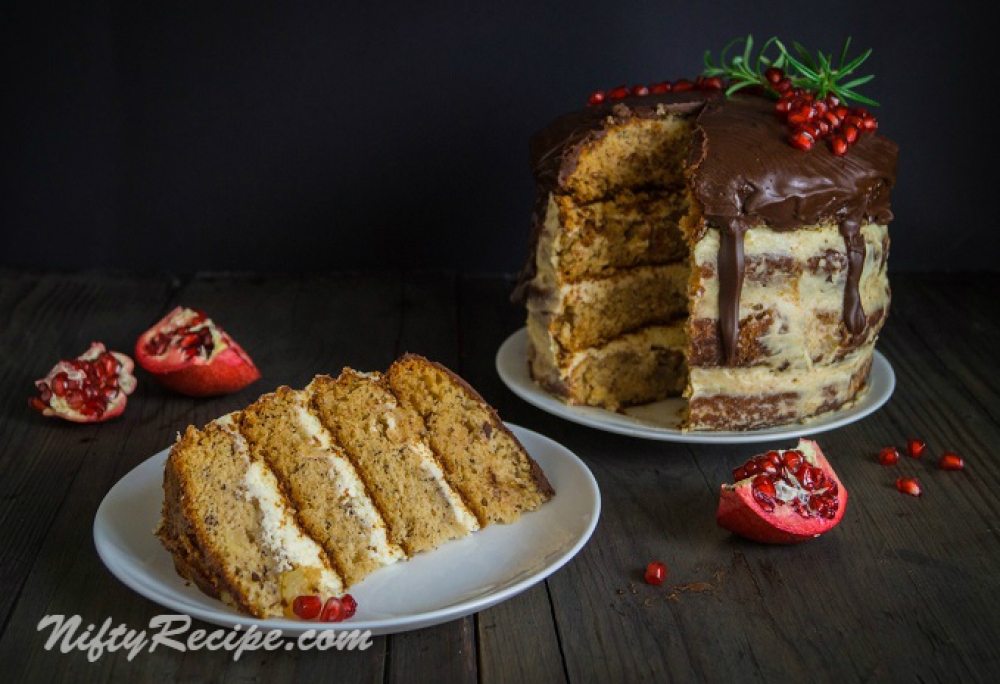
[[661, 420], [457, 579]]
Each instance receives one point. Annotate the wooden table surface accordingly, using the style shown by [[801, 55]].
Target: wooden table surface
[[905, 589]]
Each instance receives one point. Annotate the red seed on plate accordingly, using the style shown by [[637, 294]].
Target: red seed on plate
[[350, 606], [596, 98], [307, 607], [909, 485], [888, 456], [656, 572], [915, 447], [951, 461], [333, 610]]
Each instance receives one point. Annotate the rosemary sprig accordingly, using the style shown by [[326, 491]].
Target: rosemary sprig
[[818, 73]]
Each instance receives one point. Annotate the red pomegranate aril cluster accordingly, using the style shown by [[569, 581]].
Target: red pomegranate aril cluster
[[813, 119], [332, 610], [89, 389], [680, 85], [196, 341], [792, 468], [656, 573]]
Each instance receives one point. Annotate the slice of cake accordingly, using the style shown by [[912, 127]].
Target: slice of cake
[[480, 456], [321, 482], [232, 531], [307, 492], [384, 440]]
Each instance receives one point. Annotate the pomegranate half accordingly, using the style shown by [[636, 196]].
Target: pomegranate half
[[88, 389], [783, 497], [190, 354]]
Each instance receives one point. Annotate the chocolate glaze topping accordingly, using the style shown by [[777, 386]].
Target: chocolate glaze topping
[[743, 173]]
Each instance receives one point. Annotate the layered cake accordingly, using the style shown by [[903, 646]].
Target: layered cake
[[306, 492], [680, 245]]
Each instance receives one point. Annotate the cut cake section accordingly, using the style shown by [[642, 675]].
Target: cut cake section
[[321, 482], [481, 458], [384, 440], [231, 530]]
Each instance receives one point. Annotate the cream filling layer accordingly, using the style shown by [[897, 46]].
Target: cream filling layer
[[762, 380], [346, 481], [430, 465], [280, 534]]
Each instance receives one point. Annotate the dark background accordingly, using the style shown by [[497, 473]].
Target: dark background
[[310, 136]]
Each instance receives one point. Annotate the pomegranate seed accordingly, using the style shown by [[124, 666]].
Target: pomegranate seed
[[791, 458], [915, 447], [870, 124], [307, 607], [109, 366], [656, 573], [832, 119], [618, 93], [783, 106], [951, 461], [888, 456], [774, 75], [59, 384], [333, 610], [350, 606], [712, 83], [909, 485], [659, 88], [850, 134], [839, 145], [783, 86], [802, 140], [752, 467], [640, 90], [740, 474], [764, 485], [682, 85], [596, 98], [801, 114], [75, 398]]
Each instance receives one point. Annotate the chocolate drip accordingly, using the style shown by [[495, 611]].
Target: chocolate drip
[[732, 267], [854, 314]]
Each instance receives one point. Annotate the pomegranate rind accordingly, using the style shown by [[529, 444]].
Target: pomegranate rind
[[126, 383], [741, 514], [228, 369]]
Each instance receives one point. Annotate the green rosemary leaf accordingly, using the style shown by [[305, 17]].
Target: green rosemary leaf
[[805, 71], [856, 82], [843, 53], [804, 55], [855, 63]]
